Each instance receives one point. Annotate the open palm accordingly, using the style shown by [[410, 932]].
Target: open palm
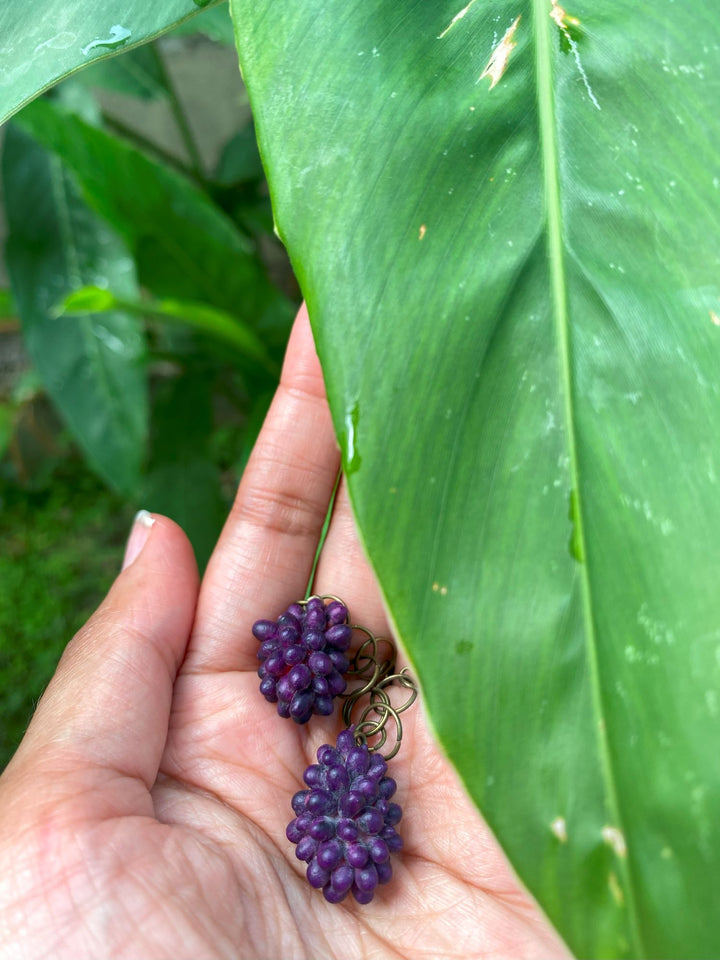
[[144, 815]]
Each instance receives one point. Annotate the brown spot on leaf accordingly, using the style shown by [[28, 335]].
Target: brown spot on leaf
[[497, 64]]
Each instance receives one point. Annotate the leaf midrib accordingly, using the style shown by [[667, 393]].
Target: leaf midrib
[[547, 130]]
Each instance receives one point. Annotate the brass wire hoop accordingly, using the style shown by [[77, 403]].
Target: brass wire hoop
[[376, 674]]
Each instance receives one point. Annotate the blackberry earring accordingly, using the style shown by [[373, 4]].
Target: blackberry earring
[[302, 656], [302, 653], [344, 825]]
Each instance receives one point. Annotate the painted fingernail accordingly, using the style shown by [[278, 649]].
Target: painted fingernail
[[139, 532]]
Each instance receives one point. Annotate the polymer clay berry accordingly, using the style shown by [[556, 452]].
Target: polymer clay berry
[[344, 826], [302, 656]]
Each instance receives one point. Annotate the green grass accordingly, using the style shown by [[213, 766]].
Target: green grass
[[61, 549]]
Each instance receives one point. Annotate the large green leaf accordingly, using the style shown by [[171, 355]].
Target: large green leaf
[[92, 366], [185, 246], [43, 41], [505, 220]]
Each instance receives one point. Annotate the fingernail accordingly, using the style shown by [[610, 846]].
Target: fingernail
[[139, 532]]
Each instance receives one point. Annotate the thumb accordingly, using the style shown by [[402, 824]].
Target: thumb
[[108, 705]]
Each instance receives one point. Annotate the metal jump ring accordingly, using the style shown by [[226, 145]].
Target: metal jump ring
[[375, 715]]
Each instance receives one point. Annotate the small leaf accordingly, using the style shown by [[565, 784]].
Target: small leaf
[[218, 324], [87, 300]]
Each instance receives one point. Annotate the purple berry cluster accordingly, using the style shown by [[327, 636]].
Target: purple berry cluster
[[344, 826], [303, 657]]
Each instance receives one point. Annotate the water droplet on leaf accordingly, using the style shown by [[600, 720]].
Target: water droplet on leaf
[[118, 37], [351, 455]]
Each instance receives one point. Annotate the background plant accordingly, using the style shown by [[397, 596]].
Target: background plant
[[154, 301], [503, 217]]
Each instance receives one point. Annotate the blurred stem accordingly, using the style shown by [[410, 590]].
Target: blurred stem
[[179, 114], [147, 146]]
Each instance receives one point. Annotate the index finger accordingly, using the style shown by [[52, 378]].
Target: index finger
[[264, 556]]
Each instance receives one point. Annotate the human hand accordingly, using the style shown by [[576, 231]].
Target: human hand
[[144, 813]]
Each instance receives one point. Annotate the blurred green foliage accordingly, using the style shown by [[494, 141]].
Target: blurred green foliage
[[154, 303], [61, 547]]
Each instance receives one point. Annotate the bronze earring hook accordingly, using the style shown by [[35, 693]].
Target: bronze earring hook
[[376, 675]]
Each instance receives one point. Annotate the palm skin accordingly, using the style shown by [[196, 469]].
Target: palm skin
[[144, 814]]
